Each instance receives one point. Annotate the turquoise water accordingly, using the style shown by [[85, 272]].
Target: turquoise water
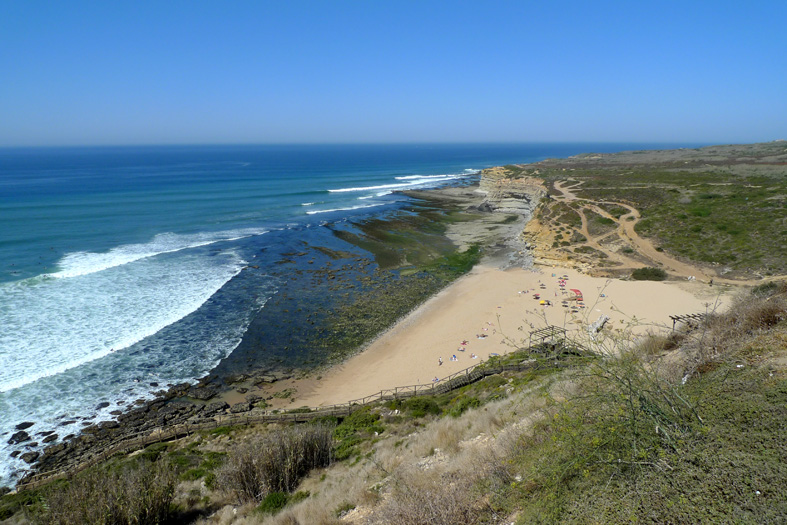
[[122, 268]]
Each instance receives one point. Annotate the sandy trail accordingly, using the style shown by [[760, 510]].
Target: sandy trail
[[625, 230]]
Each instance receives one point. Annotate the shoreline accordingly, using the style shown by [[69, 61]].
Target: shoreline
[[405, 353], [492, 303]]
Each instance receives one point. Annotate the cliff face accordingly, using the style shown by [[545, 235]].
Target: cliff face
[[510, 195], [506, 202]]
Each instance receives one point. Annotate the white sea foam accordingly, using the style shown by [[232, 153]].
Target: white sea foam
[[85, 263], [307, 204], [369, 188], [59, 324], [409, 181], [345, 209], [426, 177], [178, 353]]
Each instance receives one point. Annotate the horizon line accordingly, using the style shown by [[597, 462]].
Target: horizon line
[[430, 143]]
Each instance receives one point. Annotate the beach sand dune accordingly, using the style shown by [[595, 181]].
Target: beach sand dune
[[486, 307]]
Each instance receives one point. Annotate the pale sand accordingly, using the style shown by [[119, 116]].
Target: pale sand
[[487, 301]]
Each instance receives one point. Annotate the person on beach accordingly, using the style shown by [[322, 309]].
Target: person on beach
[[454, 358], [473, 356], [439, 361]]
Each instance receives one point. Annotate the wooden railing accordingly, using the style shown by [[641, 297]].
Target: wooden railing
[[141, 440]]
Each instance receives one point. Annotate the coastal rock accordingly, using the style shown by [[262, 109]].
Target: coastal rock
[[54, 450], [203, 393], [29, 457], [239, 378], [24, 426], [156, 405], [103, 404], [253, 398], [134, 417], [240, 407], [19, 437], [485, 207], [50, 438], [215, 408]]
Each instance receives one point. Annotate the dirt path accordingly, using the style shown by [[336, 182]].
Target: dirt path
[[625, 230]]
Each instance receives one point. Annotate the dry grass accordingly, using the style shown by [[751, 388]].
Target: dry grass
[[430, 498], [139, 494], [275, 462], [749, 315]]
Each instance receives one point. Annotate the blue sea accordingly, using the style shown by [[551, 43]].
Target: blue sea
[[121, 267]]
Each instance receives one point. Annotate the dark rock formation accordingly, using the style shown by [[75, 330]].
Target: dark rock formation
[[240, 407], [19, 437]]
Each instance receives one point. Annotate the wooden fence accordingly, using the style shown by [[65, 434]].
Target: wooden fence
[[141, 440]]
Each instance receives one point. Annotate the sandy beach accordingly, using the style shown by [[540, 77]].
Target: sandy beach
[[487, 309]]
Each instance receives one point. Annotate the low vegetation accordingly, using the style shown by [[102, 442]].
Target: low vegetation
[[679, 427], [649, 274], [139, 493], [267, 469], [724, 205]]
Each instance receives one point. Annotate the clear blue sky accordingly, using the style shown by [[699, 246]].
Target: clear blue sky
[[163, 72]]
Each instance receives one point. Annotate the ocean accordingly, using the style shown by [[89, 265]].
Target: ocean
[[121, 268]]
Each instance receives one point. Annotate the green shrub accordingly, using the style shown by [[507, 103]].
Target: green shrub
[[153, 452], [273, 503], [354, 429], [12, 503], [420, 406], [765, 290], [343, 509], [193, 474], [649, 274], [298, 496], [462, 404], [346, 447]]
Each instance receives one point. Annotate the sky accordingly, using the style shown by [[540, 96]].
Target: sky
[[195, 72]]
